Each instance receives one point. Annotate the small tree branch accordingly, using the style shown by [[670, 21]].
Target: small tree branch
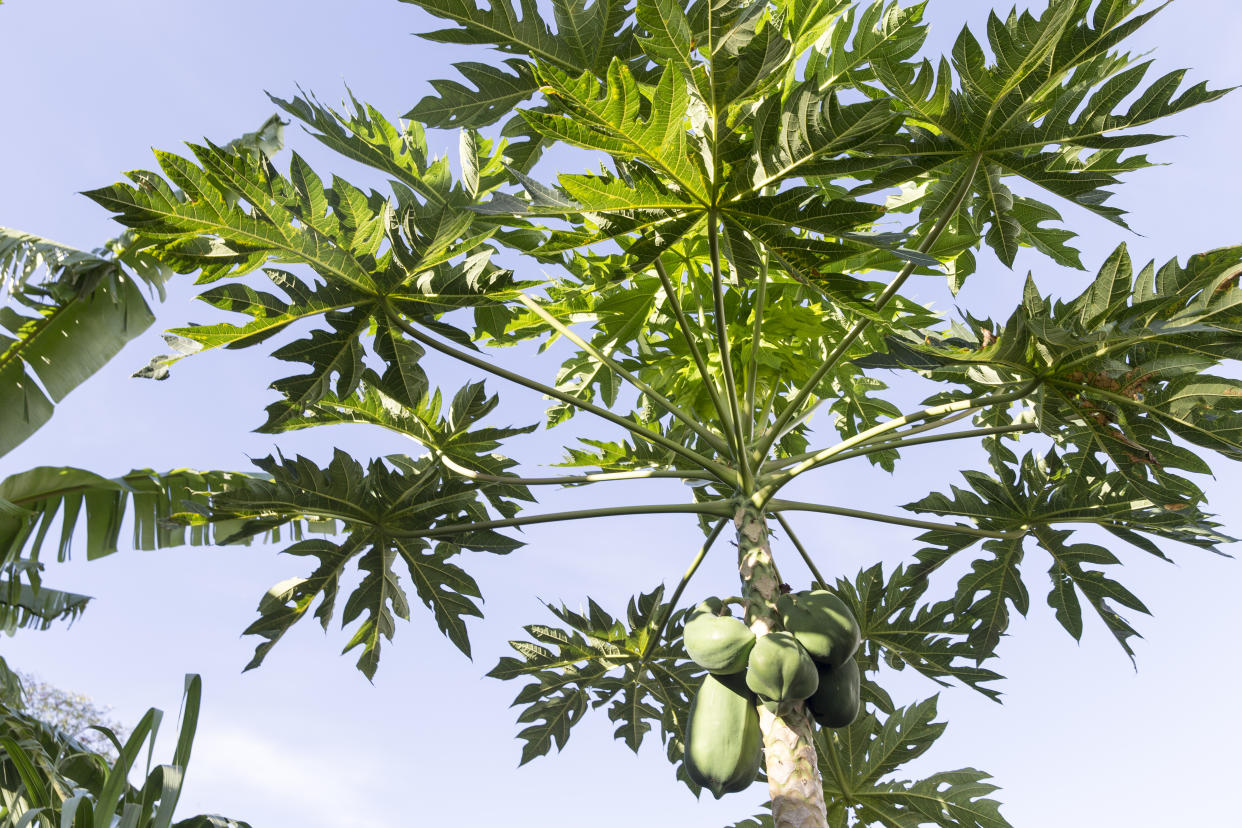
[[722, 473], [806, 557], [564, 330], [774, 432], [658, 633], [799, 506]]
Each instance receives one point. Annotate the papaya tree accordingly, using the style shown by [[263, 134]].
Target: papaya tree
[[772, 176]]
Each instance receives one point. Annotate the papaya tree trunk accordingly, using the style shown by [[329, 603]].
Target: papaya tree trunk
[[789, 747]]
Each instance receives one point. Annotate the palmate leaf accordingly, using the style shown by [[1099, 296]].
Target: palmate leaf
[[856, 764], [625, 124], [900, 630], [597, 660], [396, 511], [362, 133], [375, 259], [864, 34], [449, 436], [1123, 367], [586, 37], [1049, 110], [1041, 493]]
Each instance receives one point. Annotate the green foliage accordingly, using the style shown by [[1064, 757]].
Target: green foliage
[[773, 174], [597, 660], [72, 713], [394, 511], [48, 778], [65, 326], [857, 764], [35, 503]]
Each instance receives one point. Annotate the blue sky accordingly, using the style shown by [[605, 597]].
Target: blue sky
[[1082, 740]]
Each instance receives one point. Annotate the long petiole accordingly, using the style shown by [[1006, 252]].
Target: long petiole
[[571, 479], [756, 341], [871, 448], [901, 440], [683, 325], [783, 462], [856, 330], [776, 481], [567, 332], [806, 557], [719, 508], [658, 633], [722, 473], [726, 360], [799, 506]]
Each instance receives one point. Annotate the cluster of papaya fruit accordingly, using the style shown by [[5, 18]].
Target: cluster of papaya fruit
[[811, 660]]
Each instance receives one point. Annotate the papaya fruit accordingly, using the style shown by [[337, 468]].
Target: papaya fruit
[[712, 605], [822, 623], [779, 669], [724, 746], [718, 643], [836, 702]]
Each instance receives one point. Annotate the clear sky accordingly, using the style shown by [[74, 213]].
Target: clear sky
[[1081, 741]]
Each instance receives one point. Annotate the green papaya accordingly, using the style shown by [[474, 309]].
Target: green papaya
[[711, 605], [780, 670], [822, 623], [724, 747], [718, 643], [836, 703]]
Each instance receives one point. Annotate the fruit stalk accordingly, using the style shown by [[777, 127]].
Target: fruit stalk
[[789, 747]]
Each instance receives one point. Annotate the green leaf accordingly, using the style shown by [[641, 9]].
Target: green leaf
[[900, 629], [855, 761], [624, 123], [66, 783], [1051, 108], [497, 92], [1043, 492], [65, 328], [24, 607], [384, 512], [597, 660]]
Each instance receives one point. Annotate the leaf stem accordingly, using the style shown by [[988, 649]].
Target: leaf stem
[[692, 343], [773, 483], [722, 473], [681, 587], [799, 506], [756, 342], [719, 508], [899, 441], [823, 584], [726, 361], [571, 479], [564, 330], [774, 432]]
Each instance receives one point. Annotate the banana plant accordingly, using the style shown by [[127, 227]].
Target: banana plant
[[48, 779], [773, 175]]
